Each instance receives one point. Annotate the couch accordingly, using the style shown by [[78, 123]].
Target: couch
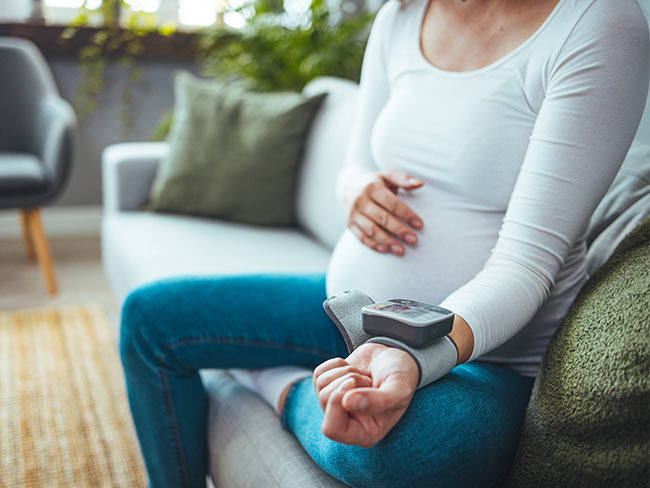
[[140, 247]]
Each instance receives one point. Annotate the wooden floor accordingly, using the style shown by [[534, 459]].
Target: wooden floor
[[78, 269]]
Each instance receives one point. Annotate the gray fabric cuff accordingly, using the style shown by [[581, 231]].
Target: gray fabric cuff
[[434, 361], [345, 311]]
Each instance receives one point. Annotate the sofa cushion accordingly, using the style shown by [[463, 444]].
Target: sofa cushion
[[606, 242], [234, 154], [626, 203], [248, 446], [317, 210], [587, 420], [140, 247]]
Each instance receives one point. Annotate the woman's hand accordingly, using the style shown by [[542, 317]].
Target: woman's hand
[[380, 219], [364, 395]]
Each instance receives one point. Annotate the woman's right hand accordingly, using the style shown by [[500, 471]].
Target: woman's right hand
[[365, 395], [378, 217]]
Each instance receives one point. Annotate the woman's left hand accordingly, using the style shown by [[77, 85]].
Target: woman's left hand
[[364, 395]]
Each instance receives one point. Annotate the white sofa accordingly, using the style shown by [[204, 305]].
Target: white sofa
[[249, 448]]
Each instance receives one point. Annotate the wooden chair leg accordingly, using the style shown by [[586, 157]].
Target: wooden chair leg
[[42, 248], [27, 236]]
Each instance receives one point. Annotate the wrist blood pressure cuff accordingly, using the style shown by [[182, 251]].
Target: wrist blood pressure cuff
[[433, 361]]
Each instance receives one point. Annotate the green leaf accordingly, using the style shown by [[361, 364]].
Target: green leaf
[[271, 56]]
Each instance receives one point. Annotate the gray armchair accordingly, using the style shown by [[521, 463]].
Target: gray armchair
[[37, 131]]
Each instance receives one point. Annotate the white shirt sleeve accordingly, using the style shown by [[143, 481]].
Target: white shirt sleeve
[[594, 98], [372, 96]]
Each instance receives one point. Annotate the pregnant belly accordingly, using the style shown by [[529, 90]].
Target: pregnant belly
[[449, 253]]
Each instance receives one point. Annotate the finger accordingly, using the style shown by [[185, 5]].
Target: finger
[[359, 234], [359, 381], [374, 232], [392, 394], [395, 206], [371, 218], [398, 179], [330, 375], [383, 211], [327, 365], [336, 419]]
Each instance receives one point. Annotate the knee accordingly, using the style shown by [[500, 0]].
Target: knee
[[139, 314]]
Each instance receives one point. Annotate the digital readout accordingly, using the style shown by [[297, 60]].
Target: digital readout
[[404, 310]]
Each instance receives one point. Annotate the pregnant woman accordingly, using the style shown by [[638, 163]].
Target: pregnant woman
[[487, 131]]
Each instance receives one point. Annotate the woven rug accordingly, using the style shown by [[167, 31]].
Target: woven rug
[[64, 416]]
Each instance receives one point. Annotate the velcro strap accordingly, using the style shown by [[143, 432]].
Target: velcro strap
[[345, 311]]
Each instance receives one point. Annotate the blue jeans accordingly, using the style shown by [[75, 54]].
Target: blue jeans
[[460, 431]]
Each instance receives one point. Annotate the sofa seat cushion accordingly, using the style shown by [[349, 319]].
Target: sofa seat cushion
[[587, 420], [139, 247], [248, 446]]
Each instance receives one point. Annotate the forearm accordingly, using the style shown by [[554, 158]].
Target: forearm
[[463, 337]]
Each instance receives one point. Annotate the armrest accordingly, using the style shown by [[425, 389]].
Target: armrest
[[128, 170]]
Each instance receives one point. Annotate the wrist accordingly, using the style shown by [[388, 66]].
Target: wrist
[[463, 338], [353, 188], [389, 343], [409, 366]]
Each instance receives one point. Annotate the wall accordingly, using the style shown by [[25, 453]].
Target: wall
[[153, 97], [14, 10]]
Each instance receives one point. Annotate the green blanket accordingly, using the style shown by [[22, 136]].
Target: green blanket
[[587, 422]]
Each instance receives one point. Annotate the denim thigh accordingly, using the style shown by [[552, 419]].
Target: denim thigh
[[461, 431]]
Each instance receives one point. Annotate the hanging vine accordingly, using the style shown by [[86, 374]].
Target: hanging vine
[[119, 32]]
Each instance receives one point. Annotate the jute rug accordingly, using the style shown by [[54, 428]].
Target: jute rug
[[64, 416]]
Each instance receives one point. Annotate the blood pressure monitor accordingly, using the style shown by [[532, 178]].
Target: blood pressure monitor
[[415, 323]]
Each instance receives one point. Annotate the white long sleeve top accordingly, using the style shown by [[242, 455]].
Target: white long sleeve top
[[514, 157]]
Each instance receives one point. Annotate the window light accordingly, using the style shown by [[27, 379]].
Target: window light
[[150, 6], [91, 4]]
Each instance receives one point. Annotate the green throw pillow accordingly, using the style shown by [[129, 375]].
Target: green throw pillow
[[233, 153], [588, 420]]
